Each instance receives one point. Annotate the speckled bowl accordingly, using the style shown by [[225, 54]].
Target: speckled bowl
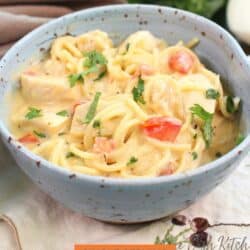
[[137, 200]]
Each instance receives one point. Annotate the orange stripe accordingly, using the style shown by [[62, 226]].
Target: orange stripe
[[124, 247]]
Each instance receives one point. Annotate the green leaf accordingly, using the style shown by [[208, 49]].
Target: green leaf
[[62, 113], [212, 94], [74, 78], [39, 134], [70, 154], [90, 70], [101, 75], [240, 138], [92, 109], [93, 58], [194, 155], [230, 105], [33, 113], [132, 160], [207, 118], [127, 49], [138, 91], [97, 124]]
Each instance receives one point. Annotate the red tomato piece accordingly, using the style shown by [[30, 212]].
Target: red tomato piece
[[162, 128], [29, 138], [181, 61]]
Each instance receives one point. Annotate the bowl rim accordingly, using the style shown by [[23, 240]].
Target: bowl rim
[[228, 157]]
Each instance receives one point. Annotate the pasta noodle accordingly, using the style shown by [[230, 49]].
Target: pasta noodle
[[141, 109]]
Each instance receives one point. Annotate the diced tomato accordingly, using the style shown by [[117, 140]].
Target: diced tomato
[[162, 128], [181, 61], [29, 138], [168, 170], [103, 145]]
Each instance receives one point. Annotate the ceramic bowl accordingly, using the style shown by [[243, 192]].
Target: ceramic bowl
[[137, 200]]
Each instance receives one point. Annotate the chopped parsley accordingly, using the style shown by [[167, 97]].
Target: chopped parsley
[[101, 75], [70, 154], [33, 113], [138, 91], [92, 109], [231, 105], [127, 49], [212, 94], [207, 118], [97, 124], [94, 60], [194, 155], [240, 138], [61, 133], [74, 78], [63, 113], [132, 160], [39, 134]]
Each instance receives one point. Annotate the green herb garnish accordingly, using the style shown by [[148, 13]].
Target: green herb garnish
[[127, 48], [138, 91], [230, 105], [92, 109], [194, 155], [94, 58], [74, 78], [70, 154], [207, 118], [97, 124], [33, 113], [101, 75], [132, 160], [63, 113], [240, 138], [212, 94], [39, 134]]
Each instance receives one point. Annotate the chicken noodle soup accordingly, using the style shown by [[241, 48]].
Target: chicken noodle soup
[[141, 109]]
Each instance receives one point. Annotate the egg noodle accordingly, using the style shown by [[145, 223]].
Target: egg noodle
[[141, 109]]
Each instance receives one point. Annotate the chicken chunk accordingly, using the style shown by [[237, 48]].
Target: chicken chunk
[[48, 90], [49, 122]]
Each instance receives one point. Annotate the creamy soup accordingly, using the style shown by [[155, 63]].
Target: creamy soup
[[141, 109]]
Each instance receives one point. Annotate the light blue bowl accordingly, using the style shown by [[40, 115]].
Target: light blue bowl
[[117, 200]]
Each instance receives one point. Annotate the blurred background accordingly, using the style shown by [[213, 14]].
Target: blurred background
[[18, 17]]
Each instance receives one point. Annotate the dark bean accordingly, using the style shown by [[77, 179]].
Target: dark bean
[[200, 239], [179, 220], [199, 224]]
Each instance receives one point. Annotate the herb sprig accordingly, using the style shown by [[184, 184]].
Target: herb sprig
[[132, 160], [138, 91], [39, 134], [207, 118], [94, 61], [62, 113], [92, 109], [33, 113], [212, 94]]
